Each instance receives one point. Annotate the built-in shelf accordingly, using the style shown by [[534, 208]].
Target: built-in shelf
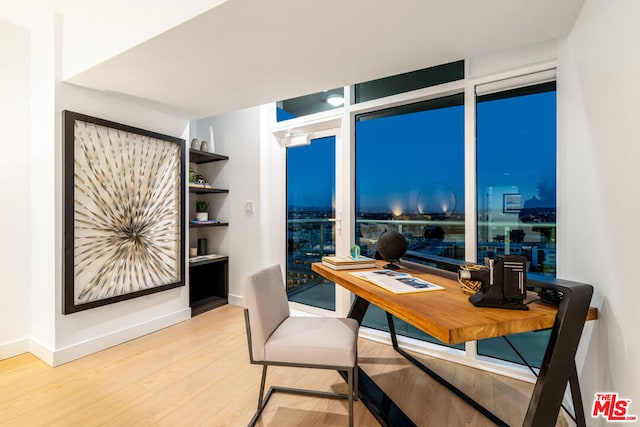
[[198, 157], [202, 190], [208, 284], [209, 261], [200, 306], [209, 224], [208, 278]]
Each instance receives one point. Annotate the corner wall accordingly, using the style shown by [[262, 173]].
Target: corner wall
[[236, 135], [31, 182], [15, 169], [598, 196], [88, 331]]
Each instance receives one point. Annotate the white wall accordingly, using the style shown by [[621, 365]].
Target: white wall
[[236, 135], [87, 331], [43, 191], [14, 189], [31, 181], [96, 30], [598, 188]]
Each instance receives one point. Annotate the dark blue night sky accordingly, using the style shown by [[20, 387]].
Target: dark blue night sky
[[410, 162]]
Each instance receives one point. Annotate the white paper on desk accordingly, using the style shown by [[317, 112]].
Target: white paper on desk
[[397, 282]]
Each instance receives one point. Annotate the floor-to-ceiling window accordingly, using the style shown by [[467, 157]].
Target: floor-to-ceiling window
[[516, 175], [516, 192], [408, 171], [409, 177]]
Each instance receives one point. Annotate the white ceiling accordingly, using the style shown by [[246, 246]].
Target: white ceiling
[[249, 52]]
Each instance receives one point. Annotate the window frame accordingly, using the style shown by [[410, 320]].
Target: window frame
[[345, 116]]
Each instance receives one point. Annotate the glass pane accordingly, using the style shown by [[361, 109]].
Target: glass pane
[[376, 318], [410, 178], [516, 175], [310, 225], [406, 82], [309, 104], [531, 345]]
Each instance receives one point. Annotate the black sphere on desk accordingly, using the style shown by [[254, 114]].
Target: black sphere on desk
[[392, 246]]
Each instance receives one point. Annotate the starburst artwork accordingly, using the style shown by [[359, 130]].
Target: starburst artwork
[[123, 221]]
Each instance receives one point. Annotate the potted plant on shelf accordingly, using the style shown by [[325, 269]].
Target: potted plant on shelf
[[202, 210]]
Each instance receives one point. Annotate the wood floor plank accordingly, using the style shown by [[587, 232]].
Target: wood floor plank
[[197, 373]]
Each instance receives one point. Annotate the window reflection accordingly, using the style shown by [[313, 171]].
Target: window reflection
[[410, 179], [516, 176], [410, 176]]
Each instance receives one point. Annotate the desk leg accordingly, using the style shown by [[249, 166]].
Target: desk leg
[[358, 309], [558, 366], [576, 395], [379, 404], [484, 411]]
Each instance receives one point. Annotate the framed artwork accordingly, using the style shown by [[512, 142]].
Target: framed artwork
[[123, 225], [512, 202]]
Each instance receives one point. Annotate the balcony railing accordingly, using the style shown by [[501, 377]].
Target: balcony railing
[[433, 242], [429, 241]]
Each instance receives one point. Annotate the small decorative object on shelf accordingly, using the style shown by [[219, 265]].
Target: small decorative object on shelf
[[206, 185], [198, 181], [213, 144], [202, 246], [192, 175], [195, 144], [202, 210], [204, 221], [204, 146]]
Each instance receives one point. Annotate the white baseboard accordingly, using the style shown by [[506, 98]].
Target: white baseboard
[[67, 354], [41, 351], [14, 348], [236, 300]]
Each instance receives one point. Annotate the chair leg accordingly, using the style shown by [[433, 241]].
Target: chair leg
[[355, 382], [262, 383], [350, 376], [351, 395]]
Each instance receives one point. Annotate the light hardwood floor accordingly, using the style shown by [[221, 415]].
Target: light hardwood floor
[[197, 373]]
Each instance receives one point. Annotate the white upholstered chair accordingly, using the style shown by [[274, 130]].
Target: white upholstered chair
[[276, 338]]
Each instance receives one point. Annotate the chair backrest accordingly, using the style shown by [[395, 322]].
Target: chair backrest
[[266, 300]]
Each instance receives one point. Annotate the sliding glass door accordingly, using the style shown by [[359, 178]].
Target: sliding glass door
[[311, 220]]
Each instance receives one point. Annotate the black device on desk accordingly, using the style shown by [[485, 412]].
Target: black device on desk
[[504, 283]]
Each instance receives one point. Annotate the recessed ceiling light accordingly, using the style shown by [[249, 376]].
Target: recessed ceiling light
[[335, 100]]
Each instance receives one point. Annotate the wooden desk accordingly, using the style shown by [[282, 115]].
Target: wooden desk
[[450, 317], [447, 315]]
